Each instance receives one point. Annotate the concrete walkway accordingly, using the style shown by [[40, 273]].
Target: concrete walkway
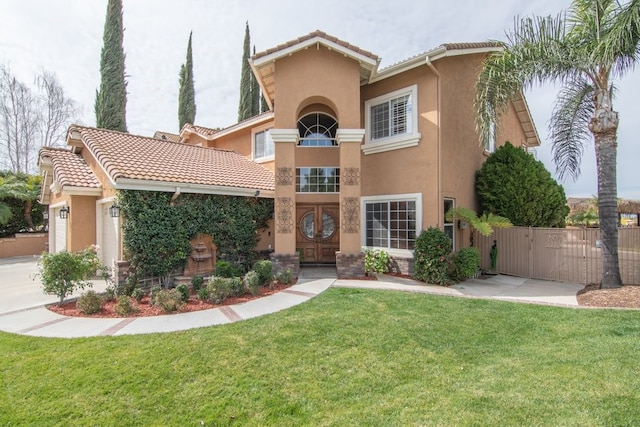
[[16, 316]]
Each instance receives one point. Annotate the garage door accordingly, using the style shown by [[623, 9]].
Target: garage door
[[109, 237], [60, 232]]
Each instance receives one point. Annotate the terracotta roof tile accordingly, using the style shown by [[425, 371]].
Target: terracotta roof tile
[[311, 35], [166, 136], [124, 155], [70, 169]]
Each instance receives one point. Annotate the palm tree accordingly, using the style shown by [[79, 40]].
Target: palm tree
[[483, 224], [584, 50]]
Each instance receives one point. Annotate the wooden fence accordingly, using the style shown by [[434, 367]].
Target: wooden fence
[[560, 254]]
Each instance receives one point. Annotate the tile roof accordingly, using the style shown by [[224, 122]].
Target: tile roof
[[311, 35], [70, 169], [166, 136], [200, 130], [126, 156]]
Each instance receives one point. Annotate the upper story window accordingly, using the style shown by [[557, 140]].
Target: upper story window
[[317, 130], [391, 121], [317, 180], [263, 146]]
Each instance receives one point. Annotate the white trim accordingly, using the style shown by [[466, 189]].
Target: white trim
[[266, 116], [404, 253], [395, 142], [99, 225], [148, 185], [314, 41], [81, 191], [350, 135], [285, 135]]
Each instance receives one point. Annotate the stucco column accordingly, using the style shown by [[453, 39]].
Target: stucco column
[[285, 256], [349, 260]]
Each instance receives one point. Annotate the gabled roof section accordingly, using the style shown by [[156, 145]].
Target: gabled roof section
[[139, 163], [211, 134], [166, 136], [263, 63], [66, 171]]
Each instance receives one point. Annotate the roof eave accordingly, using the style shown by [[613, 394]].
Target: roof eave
[[167, 186]]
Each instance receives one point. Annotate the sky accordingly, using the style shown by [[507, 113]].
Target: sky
[[65, 37]]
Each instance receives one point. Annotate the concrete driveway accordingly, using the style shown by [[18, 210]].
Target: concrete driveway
[[20, 288]]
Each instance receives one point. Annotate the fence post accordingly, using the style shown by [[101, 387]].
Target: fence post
[[531, 251]]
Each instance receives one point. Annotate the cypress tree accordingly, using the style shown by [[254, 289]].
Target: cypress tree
[[111, 98], [245, 105], [187, 95], [263, 103], [255, 91]]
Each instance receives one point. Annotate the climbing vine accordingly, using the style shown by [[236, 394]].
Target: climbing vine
[[157, 229]]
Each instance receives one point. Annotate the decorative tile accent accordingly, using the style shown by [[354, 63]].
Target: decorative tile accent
[[350, 215], [284, 176], [284, 215], [350, 176]]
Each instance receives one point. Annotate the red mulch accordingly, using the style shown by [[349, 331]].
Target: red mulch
[[145, 309]]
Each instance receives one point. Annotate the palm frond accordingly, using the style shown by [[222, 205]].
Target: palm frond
[[621, 46], [569, 126]]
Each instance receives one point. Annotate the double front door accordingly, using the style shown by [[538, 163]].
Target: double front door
[[318, 232]]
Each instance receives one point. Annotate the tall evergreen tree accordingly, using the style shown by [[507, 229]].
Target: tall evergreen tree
[[263, 103], [111, 98], [245, 105], [187, 95], [255, 91]]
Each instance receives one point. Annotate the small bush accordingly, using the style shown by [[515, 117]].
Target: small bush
[[219, 288], [376, 261], [203, 294], [432, 257], [264, 269], [184, 292], [252, 282], [237, 286], [227, 269], [138, 294], [197, 282], [168, 300], [64, 272], [284, 277], [89, 303], [124, 307], [153, 292], [467, 262]]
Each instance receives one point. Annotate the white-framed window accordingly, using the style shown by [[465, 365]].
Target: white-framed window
[[263, 146], [317, 180], [392, 222], [449, 224], [391, 121]]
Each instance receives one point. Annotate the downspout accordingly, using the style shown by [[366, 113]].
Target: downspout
[[175, 196], [439, 156]]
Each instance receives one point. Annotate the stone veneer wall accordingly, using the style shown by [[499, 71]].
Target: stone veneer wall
[[350, 266], [402, 265], [123, 269], [283, 263]]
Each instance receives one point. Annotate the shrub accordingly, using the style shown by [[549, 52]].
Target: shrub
[[197, 282], [64, 272], [89, 303], [184, 292], [237, 286], [467, 262], [227, 269], [376, 261], [138, 294], [252, 282], [264, 269], [168, 300], [432, 257], [219, 288], [124, 307], [153, 292], [203, 294], [284, 277]]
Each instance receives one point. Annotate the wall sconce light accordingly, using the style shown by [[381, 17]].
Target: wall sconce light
[[462, 224], [45, 214], [114, 211], [64, 212]]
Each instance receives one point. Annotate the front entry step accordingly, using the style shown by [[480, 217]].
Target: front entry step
[[319, 271]]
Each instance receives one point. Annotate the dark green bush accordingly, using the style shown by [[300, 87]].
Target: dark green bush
[[467, 262], [124, 307], [264, 268], [432, 256], [237, 286], [184, 292], [197, 282], [252, 282], [203, 294], [169, 300], [138, 294], [89, 303], [227, 269]]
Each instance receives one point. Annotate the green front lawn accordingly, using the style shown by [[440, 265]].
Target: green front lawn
[[347, 357]]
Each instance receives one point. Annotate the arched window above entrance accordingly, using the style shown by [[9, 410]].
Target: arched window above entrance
[[317, 130]]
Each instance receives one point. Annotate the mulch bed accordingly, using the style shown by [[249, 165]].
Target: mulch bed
[[145, 309], [627, 296]]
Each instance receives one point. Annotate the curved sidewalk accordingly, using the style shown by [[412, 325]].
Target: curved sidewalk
[[39, 321]]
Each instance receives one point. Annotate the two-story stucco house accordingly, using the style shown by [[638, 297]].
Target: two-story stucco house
[[354, 156]]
